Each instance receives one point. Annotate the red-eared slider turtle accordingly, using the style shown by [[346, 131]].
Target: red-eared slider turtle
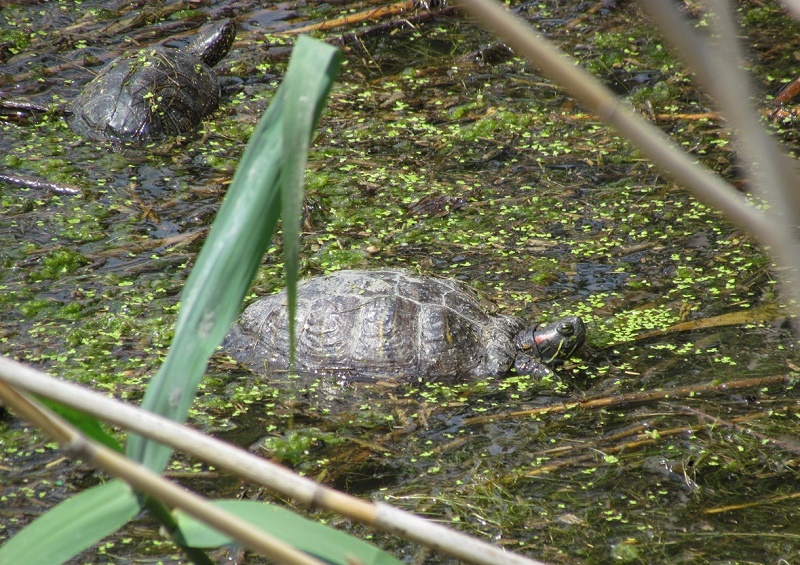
[[156, 92], [392, 323]]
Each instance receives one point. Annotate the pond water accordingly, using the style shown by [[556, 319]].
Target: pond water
[[431, 158]]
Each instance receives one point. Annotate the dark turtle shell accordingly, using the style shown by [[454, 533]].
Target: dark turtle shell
[[156, 92], [385, 323]]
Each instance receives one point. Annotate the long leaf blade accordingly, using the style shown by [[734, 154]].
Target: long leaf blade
[[301, 113], [86, 424], [316, 539], [234, 248], [73, 525]]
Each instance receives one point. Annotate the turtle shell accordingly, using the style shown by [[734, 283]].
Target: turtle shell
[[374, 324], [155, 93]]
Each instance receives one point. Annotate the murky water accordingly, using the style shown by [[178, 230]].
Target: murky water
[[555, 216]]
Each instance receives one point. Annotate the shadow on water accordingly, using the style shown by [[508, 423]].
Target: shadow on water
[[428, 158]]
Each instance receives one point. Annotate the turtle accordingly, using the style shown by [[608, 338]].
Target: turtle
[[367, 325], [156, 92]]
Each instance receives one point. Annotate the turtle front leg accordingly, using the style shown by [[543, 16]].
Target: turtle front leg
[[429, 4], [525, 364]]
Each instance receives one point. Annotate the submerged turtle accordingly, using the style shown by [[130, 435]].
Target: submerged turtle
[[392, 323], [156, 92]]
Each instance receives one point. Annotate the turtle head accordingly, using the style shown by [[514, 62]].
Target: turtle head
[[553, 343], [213, 42]]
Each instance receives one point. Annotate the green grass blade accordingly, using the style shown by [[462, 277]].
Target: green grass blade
[[316, 539], [301, 113], [233, 250], [73, 526], [89, 426]]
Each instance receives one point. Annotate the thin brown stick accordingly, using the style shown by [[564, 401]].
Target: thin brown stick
[[40, 184], [764, 313], [371, 14], [785, 444], [711, 116], [771, 500], [630, 398], [697, 116], [592, 10], [644, 438], [149, 244], [788, 92], [640, 440]]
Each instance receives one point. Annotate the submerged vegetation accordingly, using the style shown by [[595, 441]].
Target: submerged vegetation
[[430, 160]]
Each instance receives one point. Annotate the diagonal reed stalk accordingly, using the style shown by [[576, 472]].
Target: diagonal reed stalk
[[238, 461]]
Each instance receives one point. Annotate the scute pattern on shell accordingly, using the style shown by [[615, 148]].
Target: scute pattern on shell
[[374, 324]]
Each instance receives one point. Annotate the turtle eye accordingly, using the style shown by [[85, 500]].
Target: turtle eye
[[566, 328]]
